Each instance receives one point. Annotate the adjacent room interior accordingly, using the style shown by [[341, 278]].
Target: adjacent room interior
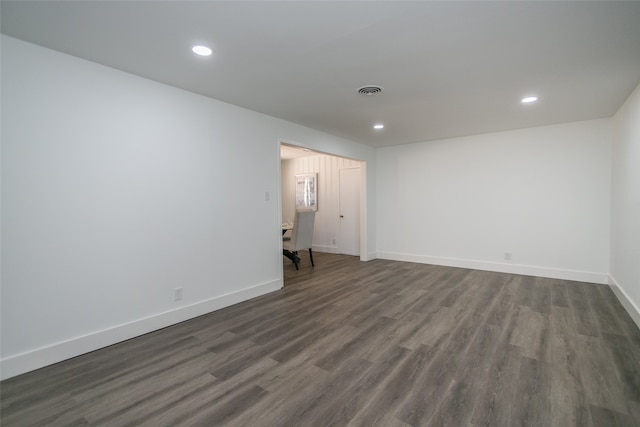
[[338, 181]]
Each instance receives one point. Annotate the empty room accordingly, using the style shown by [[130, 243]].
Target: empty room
[[313, 213]]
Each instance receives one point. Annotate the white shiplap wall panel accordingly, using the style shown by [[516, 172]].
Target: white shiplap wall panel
[[327, 217]]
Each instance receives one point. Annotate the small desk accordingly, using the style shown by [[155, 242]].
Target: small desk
[[286, 227], [293, 257]]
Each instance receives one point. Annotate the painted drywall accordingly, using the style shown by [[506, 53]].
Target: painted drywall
[[327, 223], [625, 205], [541, 195], [116, 190]]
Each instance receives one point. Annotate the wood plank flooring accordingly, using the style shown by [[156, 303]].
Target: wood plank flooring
[[380, 343]]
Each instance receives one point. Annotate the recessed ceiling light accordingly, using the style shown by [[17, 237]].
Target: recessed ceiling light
[[529, 99], [201, 50], [378, 126]]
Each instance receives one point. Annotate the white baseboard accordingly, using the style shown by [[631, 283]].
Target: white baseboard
[[326, 249], [39, 358], [370, 256], [334, 250], [527, 270], [624, 299]]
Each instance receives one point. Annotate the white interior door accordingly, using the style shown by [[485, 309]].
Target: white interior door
[[349, 241]]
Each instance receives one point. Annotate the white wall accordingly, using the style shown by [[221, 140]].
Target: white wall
[[327, 223], [625, 207], [541, 194], [116, 190]]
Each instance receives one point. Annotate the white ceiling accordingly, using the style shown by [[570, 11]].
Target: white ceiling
[[448, 68]]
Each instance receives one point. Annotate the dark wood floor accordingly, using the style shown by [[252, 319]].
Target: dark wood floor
[[348, 343]]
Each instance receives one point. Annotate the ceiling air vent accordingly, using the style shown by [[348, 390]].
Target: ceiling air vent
[[370, 90]]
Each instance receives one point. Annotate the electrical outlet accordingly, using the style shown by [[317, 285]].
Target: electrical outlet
[[507, 256], [177, 294]]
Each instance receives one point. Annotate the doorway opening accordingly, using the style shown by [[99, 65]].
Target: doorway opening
[[341, 211]]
